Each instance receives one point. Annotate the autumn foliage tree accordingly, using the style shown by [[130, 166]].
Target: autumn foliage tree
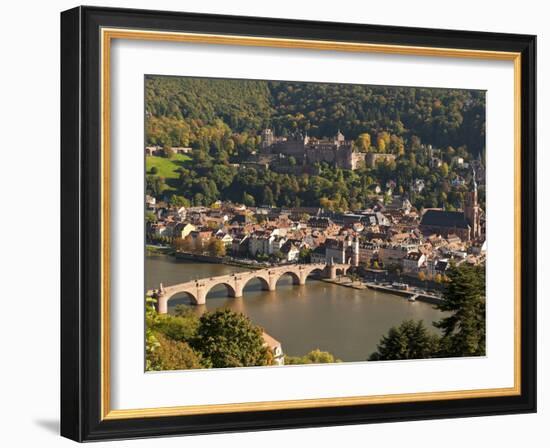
[[185, 244], [215, 247], [174, 355], [316, 356], [363, 142]]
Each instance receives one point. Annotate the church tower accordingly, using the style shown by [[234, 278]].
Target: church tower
[[472, 212], [355, 257], [339, 138]]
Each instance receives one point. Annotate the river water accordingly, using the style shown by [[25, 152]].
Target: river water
[[344, 321]]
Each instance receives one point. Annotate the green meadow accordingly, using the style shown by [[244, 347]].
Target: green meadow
[[166, 168]]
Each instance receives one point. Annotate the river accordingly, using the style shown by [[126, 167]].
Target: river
[[344, 321]]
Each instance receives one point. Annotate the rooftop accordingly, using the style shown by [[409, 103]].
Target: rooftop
[[443, 218]]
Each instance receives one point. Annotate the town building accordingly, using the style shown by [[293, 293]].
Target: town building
[[225, 238], [367, 252], [278, 243], [436, 266], [290, 251], [275, 347], [413, 262], [239, 245], [393, 254], [261, 243], [318, 255], [184, 229], [199, 237]]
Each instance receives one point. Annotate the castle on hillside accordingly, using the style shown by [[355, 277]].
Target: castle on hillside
[[337, 151]]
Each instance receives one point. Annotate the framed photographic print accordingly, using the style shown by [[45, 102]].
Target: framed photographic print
[[275, 224]]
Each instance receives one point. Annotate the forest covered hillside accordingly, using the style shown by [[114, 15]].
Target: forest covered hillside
[[200, 111]]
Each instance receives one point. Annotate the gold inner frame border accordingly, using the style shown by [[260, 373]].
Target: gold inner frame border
[[107, 35]]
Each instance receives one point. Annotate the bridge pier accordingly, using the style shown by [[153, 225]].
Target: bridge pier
[[162, 304], [272, 283], [200, 298], [237, 290]]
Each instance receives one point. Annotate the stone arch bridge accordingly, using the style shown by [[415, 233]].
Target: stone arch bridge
[[235, 283]]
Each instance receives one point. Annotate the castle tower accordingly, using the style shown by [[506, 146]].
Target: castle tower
[[339, 138], [267, 138], [472, 211]]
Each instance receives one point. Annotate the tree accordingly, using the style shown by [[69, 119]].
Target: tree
[[383, 141], [154, 170], [151, 341], [363, 142], [464, 297], [305, 255], [444, 169], [248, 199], [229, 339], [268, 196], [181, 327], [410, 340], [155, 185], [314, 357], [179, 201], [174, 355], [185, 244], [215, 247], [168, 151]]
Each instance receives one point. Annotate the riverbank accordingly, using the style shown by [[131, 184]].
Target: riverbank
[[345, 282], [414, 295], [152, 249], [221, 260]]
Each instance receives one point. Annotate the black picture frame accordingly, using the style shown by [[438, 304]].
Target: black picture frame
[[81, 224]]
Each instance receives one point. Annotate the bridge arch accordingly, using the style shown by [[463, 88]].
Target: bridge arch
[[228, 287], [295, 277], [162, 301], [264, 281], [315, 271]]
